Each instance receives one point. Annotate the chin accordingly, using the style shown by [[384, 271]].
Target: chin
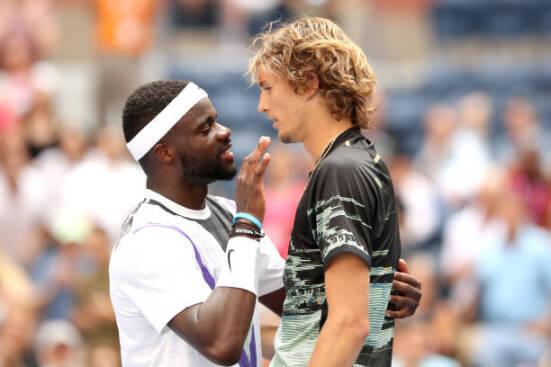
[[217, 173], [227, 174], [285, 138]]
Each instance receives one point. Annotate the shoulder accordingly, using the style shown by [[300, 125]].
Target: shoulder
[[225, 203], [144, 215], [355, 155], [148, 248], [347, 166], [148, 239], [150, 228]]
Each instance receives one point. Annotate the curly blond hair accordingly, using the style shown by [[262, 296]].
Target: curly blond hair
[[312, 46]]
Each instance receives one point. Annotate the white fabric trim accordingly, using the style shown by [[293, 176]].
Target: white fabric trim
[[165, 120], [199, 214]]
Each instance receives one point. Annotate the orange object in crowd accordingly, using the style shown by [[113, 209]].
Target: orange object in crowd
[[125, 26]]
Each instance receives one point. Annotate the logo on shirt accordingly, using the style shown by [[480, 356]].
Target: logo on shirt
[[229, 253]]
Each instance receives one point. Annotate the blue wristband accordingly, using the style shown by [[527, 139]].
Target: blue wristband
[[247, 216]]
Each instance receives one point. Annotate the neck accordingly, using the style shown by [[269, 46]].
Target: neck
[[186, 194], [323, 133]]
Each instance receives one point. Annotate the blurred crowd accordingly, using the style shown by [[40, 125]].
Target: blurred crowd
[[475, 211], [475, 226], [62, 205], [64, 190]]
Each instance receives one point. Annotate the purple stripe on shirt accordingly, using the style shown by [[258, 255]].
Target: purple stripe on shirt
[[206, 274], [244, 361], [250, 361]]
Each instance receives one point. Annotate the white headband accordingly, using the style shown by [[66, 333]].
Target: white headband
[[165, 120]]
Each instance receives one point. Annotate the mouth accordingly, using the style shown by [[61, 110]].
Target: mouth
[[226, 154]]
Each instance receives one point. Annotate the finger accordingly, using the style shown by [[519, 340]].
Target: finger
[[408, 279], [402, 302], [403, 307], [244, 167], [406, 289], [398, 314], [403, 266], [256, 155], [265, 142], [261, 147], [261, 169], [242, 176]]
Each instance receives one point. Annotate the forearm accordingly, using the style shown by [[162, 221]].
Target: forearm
[[347, 325], [225, 318], [269, 322], [268, 335], [218, 327], [339, 344]]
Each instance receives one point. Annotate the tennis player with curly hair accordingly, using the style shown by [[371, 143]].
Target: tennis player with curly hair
[[317, 87]]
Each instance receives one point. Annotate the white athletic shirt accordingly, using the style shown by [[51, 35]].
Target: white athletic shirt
[[157, 269]]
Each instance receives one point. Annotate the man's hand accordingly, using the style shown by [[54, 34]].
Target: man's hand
[[249, 191], [408, 293]]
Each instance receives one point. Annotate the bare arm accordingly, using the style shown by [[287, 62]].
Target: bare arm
[[270, 319], [347, 325], [269, 323], [274, 301], [214, 333], [218, 327]]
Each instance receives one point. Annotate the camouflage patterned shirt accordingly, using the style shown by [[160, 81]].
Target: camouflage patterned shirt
[[347, 207]]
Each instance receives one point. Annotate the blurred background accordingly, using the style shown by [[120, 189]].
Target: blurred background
[[463, 122]]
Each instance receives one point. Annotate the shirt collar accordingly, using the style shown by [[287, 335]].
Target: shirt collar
[[344, 136], [177, 208]]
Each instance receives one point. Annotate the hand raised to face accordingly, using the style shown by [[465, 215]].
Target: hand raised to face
[[249, 195]]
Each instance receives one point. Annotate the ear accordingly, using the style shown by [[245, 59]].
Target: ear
[[163, 152], [312, 85]]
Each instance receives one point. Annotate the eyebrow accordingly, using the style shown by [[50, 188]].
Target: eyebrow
[[208, 119]]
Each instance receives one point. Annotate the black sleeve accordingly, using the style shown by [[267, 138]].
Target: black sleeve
[[341, 210]]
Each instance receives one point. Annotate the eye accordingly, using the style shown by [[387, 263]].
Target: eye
[[206, 128]]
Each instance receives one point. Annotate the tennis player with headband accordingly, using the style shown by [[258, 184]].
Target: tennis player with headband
[[189, 268]]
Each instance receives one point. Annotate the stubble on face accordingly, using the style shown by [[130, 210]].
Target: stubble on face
[[285, 138], [292, 132], [194, 167]]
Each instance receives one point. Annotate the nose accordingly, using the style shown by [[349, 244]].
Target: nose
[[262, 104], [223, 132]]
